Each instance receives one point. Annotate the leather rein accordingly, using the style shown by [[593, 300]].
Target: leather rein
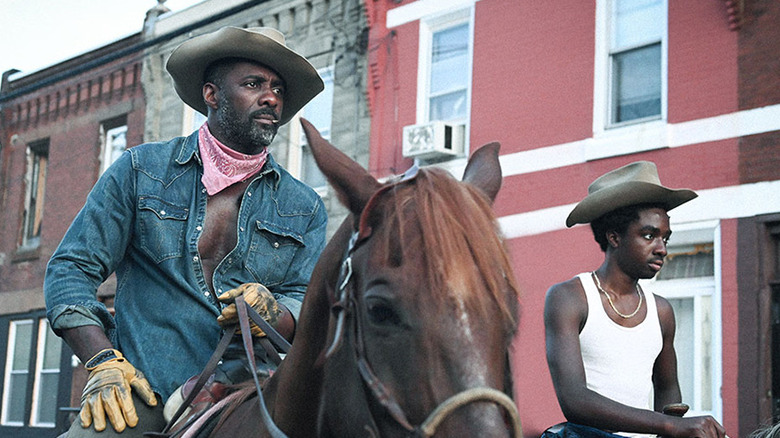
[[346, 306], [273, 343]]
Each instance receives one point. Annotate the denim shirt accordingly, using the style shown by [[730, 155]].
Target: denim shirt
[[142, 220]]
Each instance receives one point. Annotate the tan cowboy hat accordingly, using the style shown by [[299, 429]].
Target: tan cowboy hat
[[264, 45], [635, 183]]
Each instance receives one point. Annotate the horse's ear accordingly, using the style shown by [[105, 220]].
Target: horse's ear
[[484, 170], [353, 184]]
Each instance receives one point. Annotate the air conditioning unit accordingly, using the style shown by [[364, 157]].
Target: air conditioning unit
[[433, 140]]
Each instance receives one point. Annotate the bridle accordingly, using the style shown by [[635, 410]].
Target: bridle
[[346, 306]]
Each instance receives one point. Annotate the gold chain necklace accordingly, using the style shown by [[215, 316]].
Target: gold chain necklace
[[611, 304]]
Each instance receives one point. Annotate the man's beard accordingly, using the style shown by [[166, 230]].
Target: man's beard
[[244, 133]]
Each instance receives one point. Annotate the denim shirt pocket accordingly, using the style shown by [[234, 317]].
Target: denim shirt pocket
[[271, 252], [163, 226]]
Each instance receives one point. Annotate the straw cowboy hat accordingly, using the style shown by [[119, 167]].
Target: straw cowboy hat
[[264, 45], [635, 183]]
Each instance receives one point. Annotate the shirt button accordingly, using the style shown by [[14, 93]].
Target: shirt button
[[203, 190], [198, 228], [230, 260], [195, 259], [162, 212], [276, 244], [249, 194], [220, 291], [205, 294]]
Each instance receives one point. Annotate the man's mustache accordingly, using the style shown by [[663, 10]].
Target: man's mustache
[[265, 112]]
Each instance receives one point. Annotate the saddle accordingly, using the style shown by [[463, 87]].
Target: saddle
[[236, 359]]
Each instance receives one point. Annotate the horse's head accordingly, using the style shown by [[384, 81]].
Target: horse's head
[[425, 307]]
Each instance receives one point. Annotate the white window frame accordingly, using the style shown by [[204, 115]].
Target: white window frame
[[44, 333], [428, 26], [602, 97], [10, 354], [696, 288]]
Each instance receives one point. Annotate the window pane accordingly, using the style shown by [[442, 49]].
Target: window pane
[[22, 346], [16, 398], [116, 143], [449, 59], [320, 113], [637, 84], [311, 173], [47, 398], [449, 106], [52, 350], [637, 22], [684, 346], [688, 265], [449, 73], [320, 110]]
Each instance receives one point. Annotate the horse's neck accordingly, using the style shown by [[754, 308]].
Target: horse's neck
[[293, 393]]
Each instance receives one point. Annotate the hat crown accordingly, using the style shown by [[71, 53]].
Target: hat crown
[[268, 32], [640, 171]]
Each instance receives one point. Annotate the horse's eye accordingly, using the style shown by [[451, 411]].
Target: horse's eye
[[381, 313]]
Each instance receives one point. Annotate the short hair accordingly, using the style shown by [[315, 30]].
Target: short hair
[[618, 221]]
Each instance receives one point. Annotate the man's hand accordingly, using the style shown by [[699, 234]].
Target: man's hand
[[257, 296], [108, 392], [704, 426]]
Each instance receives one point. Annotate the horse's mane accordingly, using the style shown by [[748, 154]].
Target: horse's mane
[[463, 245]]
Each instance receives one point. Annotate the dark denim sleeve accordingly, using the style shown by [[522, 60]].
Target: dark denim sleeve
[[90, 251], [291, 291]]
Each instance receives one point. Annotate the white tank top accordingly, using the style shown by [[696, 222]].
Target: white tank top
[[619, 360]]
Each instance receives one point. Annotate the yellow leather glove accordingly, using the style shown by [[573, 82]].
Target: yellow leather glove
[[257, 296], [108, 392]]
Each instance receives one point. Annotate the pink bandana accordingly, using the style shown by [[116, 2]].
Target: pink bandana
[[222, 166]]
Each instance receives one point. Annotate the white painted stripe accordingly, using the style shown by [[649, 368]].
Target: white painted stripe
[[713, 204], [644, 137], [423, 8], [639, 138]]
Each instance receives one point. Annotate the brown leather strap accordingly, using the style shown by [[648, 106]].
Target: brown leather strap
[[246, 336], [276, 338], [208, 370]]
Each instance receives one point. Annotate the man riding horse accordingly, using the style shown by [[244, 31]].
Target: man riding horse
[[187, 225]]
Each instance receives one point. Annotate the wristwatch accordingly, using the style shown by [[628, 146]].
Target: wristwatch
[[102, 356]]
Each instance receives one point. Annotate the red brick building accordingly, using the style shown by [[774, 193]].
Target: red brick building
[[59, 128], [574, 89]]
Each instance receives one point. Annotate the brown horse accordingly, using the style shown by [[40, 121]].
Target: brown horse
[[409, 314]]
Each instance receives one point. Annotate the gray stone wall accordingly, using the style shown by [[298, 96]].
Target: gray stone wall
[[329, 33]]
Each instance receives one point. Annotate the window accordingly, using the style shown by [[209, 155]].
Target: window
[[319, 111], [47, 375], [33, 358], [113, 140], [17, 372], [37, 159], [445, 68], [688, 281], [637, 40]]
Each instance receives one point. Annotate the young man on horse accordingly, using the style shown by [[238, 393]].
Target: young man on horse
[[187, 225], [609, 344]]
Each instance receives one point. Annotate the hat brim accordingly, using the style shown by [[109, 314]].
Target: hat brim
[[612, 198], [189, 61]]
